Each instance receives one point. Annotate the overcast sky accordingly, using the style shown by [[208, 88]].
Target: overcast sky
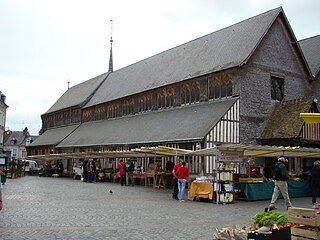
[[46, 43]]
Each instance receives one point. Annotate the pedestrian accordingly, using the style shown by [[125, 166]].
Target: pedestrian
[[280, 176], [0, 197], [315, 181], [129, 168], [175, 179], [122, 172], [182, 175], [91, 169], [169, 176], [47, 169], [84, 167], [60, 168]]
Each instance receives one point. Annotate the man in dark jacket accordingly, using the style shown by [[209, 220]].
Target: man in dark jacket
[[315, 181], [280, 176], [129, 168]]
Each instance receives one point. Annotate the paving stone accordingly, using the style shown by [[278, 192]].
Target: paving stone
[[65, 209]]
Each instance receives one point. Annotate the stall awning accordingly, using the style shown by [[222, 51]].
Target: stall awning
[[142, 152], [259, 151], [310, 118]]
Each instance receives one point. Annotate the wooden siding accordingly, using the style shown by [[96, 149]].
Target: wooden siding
[[311, 132], [227, 130]]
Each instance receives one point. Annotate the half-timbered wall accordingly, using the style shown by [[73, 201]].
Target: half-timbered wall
[[227, 130]]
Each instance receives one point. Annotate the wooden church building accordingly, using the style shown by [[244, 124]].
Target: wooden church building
[[246, 83]]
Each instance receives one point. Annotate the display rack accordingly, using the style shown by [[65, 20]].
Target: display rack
[[224, 186]]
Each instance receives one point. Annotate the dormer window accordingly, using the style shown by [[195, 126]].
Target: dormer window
[[277, 88]]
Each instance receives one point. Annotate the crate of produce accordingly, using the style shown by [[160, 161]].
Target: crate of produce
[[304, 216], [305, 232], [250, 179]]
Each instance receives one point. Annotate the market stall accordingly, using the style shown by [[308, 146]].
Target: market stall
[[219, 186], [253, 185], [264, 190], [149, 172]]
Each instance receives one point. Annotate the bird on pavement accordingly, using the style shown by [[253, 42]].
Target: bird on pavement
[[110, 191]]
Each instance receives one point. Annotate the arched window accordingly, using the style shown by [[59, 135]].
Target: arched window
[[165, 98], [195, 92], [219, 86], [229, 88], [190, 93], [187, 96], [216, 91]]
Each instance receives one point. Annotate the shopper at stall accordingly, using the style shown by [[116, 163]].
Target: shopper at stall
[[91, 169], [315, 181], [182, 175], [122, 172], [175, 179], [280, 176]]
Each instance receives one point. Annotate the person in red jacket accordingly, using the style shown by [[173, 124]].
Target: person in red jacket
[[175, 179], [122, 173], [182, 175]]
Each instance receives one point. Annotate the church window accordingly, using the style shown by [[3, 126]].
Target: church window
[[219, 87], [166, 98]]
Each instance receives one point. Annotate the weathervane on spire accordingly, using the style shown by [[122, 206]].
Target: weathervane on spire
[[111, 41]]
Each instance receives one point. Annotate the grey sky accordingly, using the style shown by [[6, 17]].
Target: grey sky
[[45, 43]]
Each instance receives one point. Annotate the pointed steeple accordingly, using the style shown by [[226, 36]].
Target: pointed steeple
[[110, 58]]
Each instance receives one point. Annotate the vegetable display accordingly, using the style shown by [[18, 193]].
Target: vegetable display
[[270, 218]]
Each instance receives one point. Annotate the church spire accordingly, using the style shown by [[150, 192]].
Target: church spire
[[110, 58]]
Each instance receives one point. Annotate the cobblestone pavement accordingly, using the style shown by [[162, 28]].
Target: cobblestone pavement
[[62, 208]]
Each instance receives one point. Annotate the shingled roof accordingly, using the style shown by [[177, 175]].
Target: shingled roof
[[53, 136], [189, 123], [223, 49], [311, 50], [285, 121], [78, 94], [227, 48]]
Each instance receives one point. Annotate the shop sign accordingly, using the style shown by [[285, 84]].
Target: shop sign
[[231, 156]]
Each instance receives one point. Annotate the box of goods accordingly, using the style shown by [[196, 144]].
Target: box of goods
[[305, 232], [306, 223], [250, 179], [226, 176], [225, 197], [304, 216], [276, 234]]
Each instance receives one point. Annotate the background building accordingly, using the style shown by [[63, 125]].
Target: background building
[[15, 143], [3, 110]]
